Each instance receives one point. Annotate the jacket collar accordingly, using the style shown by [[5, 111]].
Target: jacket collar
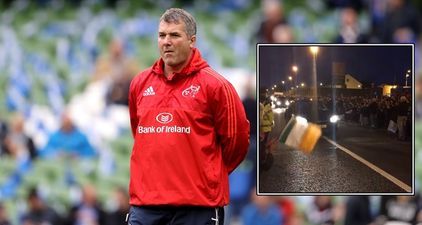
[[195, 64]]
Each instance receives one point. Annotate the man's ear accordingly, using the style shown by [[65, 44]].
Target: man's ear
[[192, 41]]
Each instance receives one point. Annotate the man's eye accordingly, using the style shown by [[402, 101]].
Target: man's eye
[[161, 35]]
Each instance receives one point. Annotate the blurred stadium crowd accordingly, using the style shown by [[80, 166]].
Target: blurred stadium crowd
[[65, 67]]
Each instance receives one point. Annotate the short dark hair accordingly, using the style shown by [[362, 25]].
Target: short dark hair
[[33, 193], [176, 15]]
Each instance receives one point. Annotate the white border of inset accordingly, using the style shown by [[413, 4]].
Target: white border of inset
[[338, 193]]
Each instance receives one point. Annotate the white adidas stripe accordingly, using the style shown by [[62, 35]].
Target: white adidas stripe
[[149, 91]]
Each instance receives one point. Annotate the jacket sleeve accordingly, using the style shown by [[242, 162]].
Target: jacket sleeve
[[270, 115], [231, 125], [133, 107]]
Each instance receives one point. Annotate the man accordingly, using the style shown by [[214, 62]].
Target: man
[[38, 211], [3, 215], [68, 141], [358, 211], [402, 108], [266, 125], [190, 133], [88, 210]]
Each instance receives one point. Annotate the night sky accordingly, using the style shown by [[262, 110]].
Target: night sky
[[368, 64]]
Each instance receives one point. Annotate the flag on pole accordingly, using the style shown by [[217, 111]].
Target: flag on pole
[[300, 134]]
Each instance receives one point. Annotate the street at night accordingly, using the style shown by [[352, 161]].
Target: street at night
[[330, 169], [365, 116]]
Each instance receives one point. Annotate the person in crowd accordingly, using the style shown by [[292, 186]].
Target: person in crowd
[[17, 143], [418, 100], [249, 103], [3, 215], [400, 14], [121, 199], [403, 209], [364, 110], [373, 109], [243, 179], [321, 211], [39, 212], [117, 70], [358, 211], [267, 121], [3, 133], [266, 125], [88, 211], [287, 208], [262, 210], [273, 16], [394, 110], [68, 140], [349, 31], [403, 109], [115, 64], [283, 33], [185, 114]]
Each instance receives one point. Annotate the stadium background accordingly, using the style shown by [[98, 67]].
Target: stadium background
[[51, 52]]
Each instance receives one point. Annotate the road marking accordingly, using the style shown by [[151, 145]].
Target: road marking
[[396, 181]]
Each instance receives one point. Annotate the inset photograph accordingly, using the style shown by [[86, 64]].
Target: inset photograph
[[335, 119]]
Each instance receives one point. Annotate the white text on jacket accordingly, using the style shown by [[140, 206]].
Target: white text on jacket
[[163, 129]]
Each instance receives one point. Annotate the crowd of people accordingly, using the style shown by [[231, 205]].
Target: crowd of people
[[276, 210], [87, 210], [13, 140], [268, 210], [393, 113], [392, 21], [67, 139]]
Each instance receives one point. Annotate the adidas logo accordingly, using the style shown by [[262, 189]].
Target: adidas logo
[[149, 91]]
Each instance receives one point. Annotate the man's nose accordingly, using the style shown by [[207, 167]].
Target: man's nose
[[167, 40]]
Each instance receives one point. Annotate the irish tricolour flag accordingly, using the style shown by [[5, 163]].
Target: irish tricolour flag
[[300, 134]]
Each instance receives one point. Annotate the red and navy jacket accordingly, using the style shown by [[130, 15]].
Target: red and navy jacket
[[190, 132]]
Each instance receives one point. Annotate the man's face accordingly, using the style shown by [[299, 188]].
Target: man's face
[[174, 44]]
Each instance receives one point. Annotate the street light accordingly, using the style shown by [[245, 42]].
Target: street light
[[314, 51], [294, 69], [302, 84], [407, 75]]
